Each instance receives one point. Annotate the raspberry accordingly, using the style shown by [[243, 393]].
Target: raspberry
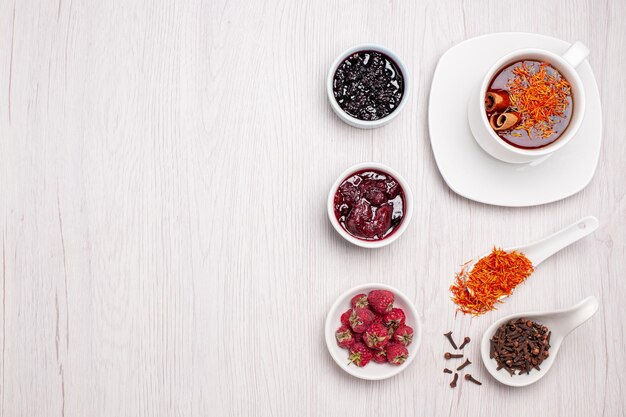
[[381, 301], [379, 356], [361, 319], [404, 335], [344, 336], [360, 355], [395, 318], [396, 353], [376, 336], [345, 318], [359, 300]]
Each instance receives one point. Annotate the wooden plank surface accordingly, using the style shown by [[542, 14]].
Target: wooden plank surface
[[164, 167]]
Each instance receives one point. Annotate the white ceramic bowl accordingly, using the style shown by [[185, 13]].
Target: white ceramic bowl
[[408, 203], [491, 142], [353, 121], [372, 371]]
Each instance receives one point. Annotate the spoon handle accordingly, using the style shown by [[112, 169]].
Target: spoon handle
[[576, 315], [541, 250]]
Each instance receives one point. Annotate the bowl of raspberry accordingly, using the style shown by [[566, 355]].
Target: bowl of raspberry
[[373, 331], [370, 205]]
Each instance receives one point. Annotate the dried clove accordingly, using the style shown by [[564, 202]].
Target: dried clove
[[449, 336], [446, 371], [466, 340], [469, 377], [449, 355], [520, 346], [464, 364], [453, 383]]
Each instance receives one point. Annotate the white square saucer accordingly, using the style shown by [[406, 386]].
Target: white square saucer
[[471, 172]]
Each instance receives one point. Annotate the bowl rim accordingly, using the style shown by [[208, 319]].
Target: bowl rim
[[408, 202], [332, 320], [368, 124]]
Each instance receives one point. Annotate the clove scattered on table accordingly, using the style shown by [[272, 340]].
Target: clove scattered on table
[[450, 339], [453, 383], [469, 377], [466, 363], [466, 340]]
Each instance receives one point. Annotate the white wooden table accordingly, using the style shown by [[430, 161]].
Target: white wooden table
[[164, 167]]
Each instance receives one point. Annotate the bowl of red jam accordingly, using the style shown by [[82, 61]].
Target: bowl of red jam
[[370, 205], [367, 86]]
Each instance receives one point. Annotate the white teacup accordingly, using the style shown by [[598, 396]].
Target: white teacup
[[479, 124]]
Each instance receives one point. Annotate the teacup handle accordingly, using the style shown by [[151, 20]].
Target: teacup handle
[[576, 54]]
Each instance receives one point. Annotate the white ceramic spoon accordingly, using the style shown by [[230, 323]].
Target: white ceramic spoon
[[540, 250], [559, 322]]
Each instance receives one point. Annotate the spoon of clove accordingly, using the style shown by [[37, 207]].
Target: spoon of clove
[[559, 322]]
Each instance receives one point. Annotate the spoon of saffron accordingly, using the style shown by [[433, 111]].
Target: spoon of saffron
[[529, 256], [560, 323]]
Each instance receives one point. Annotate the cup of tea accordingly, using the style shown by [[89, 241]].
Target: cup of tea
[[530, 104]]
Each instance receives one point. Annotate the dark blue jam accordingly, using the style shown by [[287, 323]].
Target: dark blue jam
[[368, 85], [370, 205]]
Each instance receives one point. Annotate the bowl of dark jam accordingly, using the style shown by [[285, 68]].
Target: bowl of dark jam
[[370, 205], [367, 86]]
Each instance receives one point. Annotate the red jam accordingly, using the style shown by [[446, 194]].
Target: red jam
[[369, 205]]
